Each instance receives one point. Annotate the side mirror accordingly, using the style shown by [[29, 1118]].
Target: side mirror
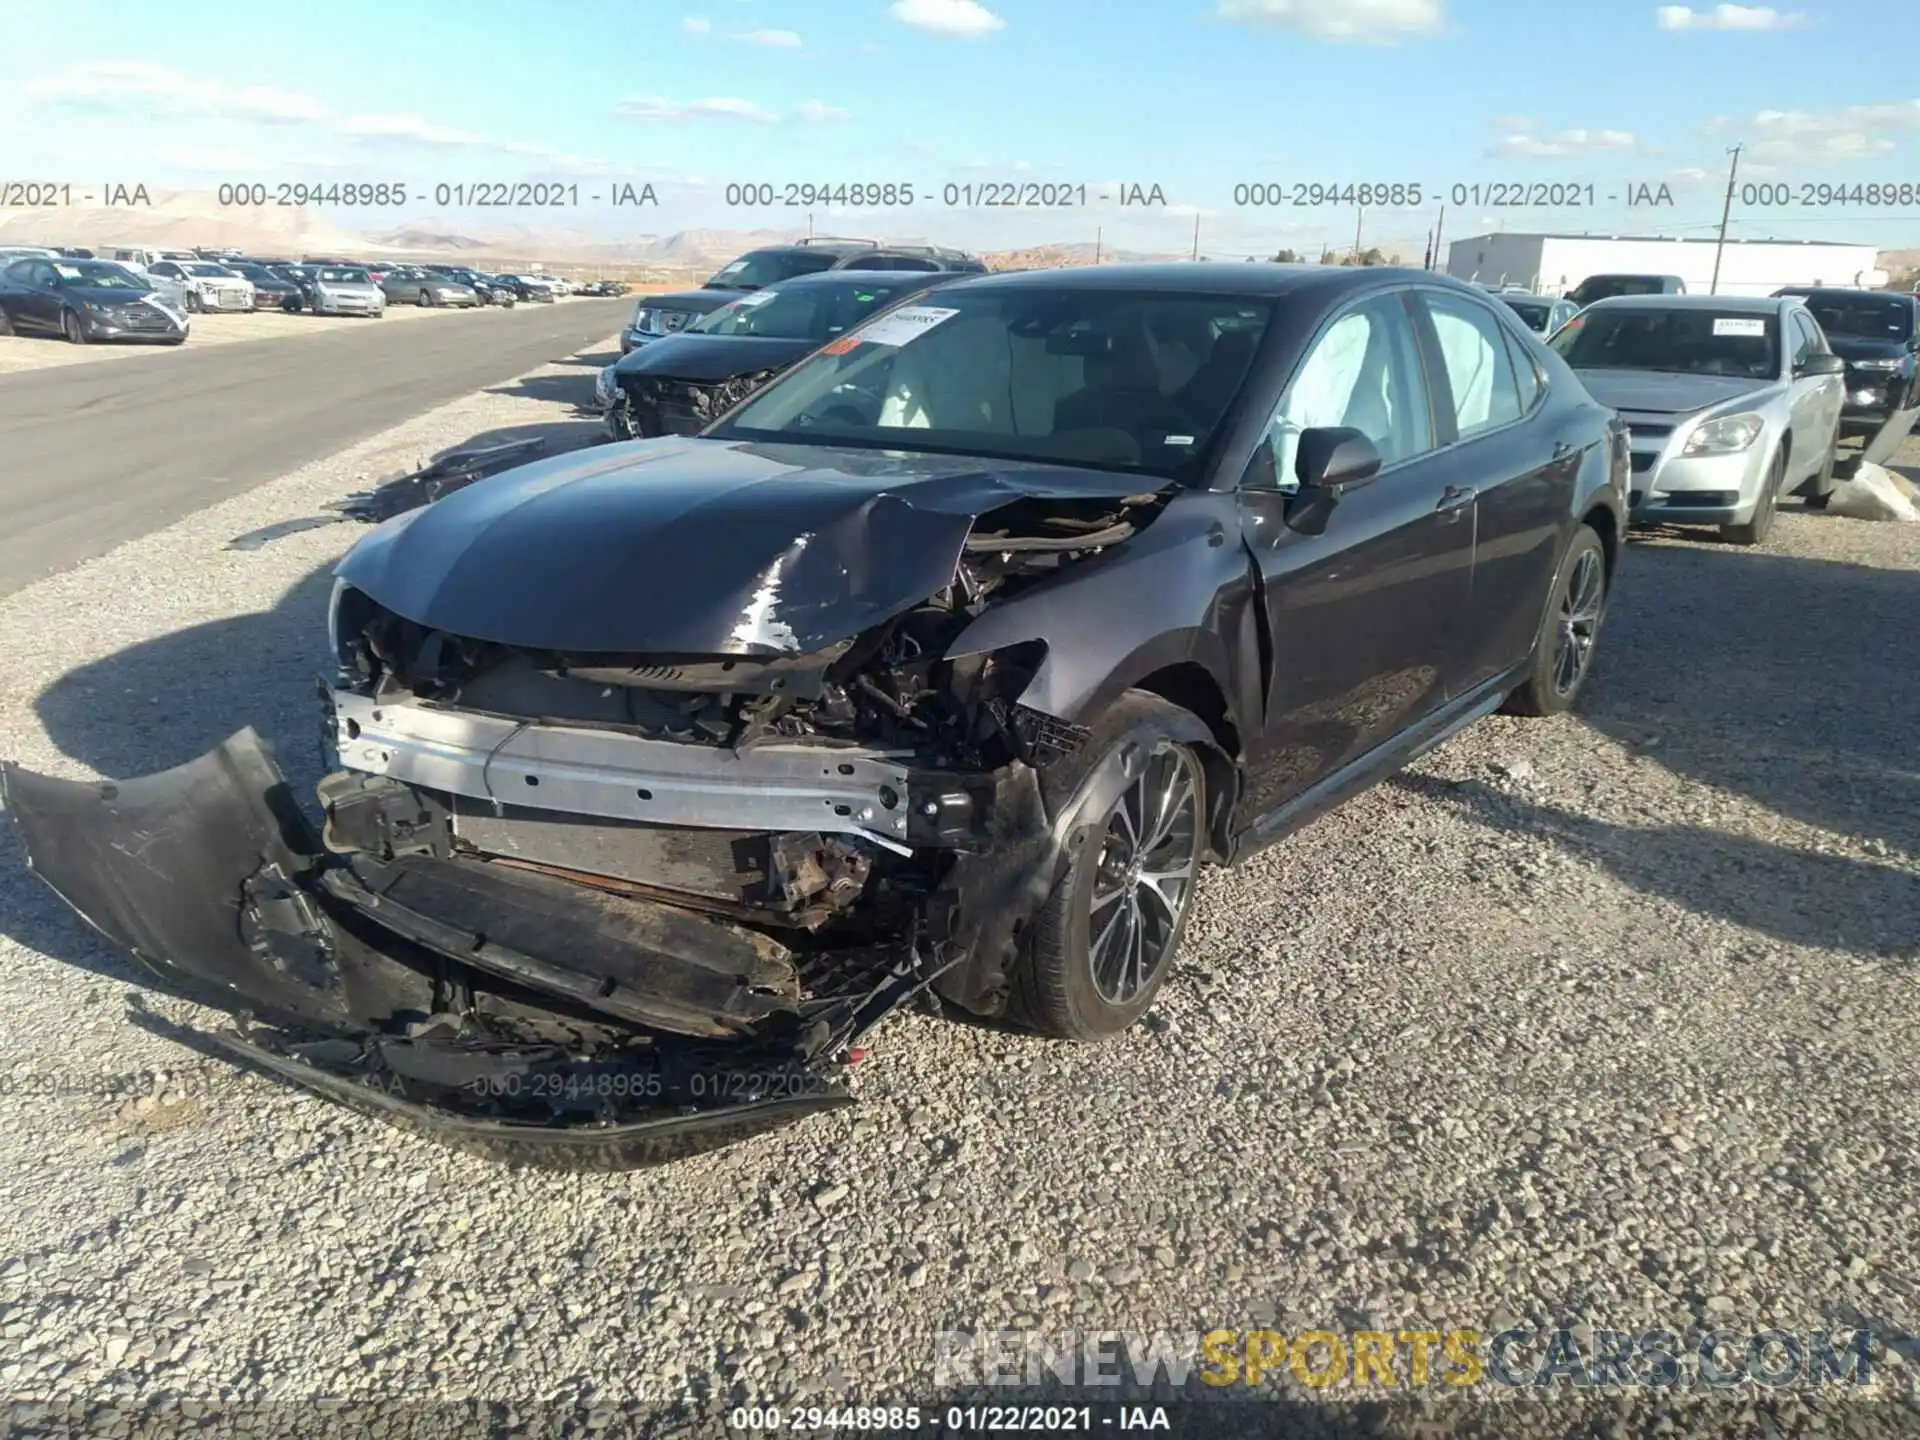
[[1824, 365], [1328, 462], [1335, 458]]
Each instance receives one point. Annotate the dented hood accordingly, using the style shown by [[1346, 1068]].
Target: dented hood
[[697, 547], [688, 356]]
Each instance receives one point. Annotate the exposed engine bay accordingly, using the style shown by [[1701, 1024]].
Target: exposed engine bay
[[605, 907]]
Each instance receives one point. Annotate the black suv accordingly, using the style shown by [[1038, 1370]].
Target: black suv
[[658, 315], [1877, 332]]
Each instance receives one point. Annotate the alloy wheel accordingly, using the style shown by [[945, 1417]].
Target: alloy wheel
[[1144, 878], [1580, 606]]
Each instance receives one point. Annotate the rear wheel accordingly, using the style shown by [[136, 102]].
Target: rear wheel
[[1756, 530], [1569, 632], [1101, 947], [6, 325]]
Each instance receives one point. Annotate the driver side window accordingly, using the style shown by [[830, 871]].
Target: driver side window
[[1362, 372]]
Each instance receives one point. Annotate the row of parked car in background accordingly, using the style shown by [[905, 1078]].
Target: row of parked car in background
[[1732, 403], [144, 293]]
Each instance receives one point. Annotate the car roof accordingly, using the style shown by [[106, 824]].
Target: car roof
[[1255, 279], [854, 275], [1754, 304], [1852, 292]]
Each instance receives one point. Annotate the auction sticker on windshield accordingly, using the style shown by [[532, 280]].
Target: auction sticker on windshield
[[902, 326], [1724, 326]]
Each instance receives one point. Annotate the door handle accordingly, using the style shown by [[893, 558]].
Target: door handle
[[1454, 499]]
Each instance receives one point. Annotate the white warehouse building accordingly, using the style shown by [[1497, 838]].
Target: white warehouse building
[[1554, 264]]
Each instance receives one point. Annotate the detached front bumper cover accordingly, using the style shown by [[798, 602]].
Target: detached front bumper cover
[[639, 1034]]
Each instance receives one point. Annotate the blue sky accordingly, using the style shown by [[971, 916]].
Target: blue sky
[[1195, 96]]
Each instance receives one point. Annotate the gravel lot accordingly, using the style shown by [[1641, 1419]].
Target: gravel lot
[[1610, 1019], [38, 352]]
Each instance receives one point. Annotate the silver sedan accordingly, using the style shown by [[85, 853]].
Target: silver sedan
[[1732, 402], [410, 285]]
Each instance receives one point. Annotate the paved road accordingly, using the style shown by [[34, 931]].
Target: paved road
[[94, 455]]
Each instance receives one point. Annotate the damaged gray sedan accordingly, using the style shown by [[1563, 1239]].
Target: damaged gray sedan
[[933, 674]]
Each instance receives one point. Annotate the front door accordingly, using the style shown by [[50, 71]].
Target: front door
[[1366, 619]]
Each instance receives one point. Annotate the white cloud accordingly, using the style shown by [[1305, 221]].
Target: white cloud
[[1372, 21], [1726, 17], [815, 112], [209, 159], [1811, 137], [774, 39], [152, 91], [961, 19], [1524, 143], [415, 130], [655, 107], [696, 25]]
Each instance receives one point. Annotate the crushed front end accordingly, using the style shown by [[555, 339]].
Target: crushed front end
[[598, 908]]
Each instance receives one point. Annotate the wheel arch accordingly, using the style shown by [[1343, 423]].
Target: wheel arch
[[1195, 689], [1604, 523]]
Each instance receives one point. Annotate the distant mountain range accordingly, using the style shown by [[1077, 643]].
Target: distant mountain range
[[186, 219]]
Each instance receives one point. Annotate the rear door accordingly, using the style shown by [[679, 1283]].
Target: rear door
[[1366, 620], [1492, 391], [40, 296]]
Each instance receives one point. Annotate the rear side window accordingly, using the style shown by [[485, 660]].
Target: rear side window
[[1478, 364]]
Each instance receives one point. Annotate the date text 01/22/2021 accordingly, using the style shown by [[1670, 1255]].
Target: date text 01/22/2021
[[965, 195], [1493, 194], [467, 194], [948, 1420]]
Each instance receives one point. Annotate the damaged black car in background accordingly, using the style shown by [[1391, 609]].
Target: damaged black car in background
[[933, 674], [683, 383]]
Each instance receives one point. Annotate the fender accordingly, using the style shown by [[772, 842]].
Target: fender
[[1108, 622]]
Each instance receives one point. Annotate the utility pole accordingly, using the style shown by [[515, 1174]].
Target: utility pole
[[1725, 211], [1358, 216], [1098, 232], [1439, 229], [809, 224], [1196, 236]]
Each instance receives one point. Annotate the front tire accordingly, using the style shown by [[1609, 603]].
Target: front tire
[[1756, 530], [426, 298], [1103, 944], [70, 326], [1569, 633]]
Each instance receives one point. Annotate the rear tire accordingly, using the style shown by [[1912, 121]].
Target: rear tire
[[6, 325], [1756, 530], [1569, 633], [1102, 946]]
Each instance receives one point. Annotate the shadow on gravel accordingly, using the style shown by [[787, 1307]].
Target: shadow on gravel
[[1793, 896], [575, 389], [1789, 680], [163, 702]]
